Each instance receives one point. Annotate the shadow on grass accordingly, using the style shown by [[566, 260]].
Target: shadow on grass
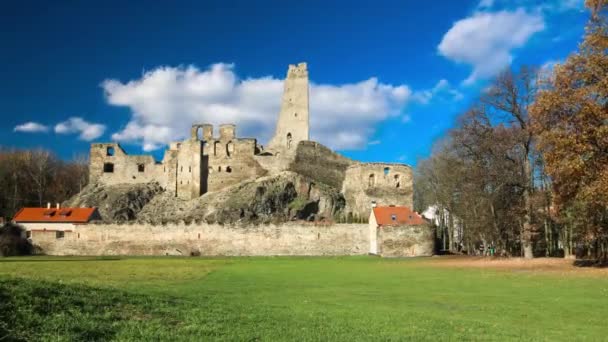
[[40, 310], [591, 263], [44, 259]]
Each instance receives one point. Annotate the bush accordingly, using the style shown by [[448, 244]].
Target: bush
[[13, 242]]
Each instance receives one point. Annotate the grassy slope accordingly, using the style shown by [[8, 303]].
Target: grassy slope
[[292, 299]]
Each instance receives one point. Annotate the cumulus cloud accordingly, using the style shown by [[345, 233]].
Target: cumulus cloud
[[31, 127], [548, 6], [486, 40], [86, 130], [165, 101], [443, 89]]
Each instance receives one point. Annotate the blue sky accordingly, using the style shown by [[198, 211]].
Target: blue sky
[[387, 77]]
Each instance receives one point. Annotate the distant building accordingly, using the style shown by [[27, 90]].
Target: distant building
[[53, 223], [398, 231]]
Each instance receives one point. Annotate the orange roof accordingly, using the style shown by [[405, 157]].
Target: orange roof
[[66, 215], [394, 216]]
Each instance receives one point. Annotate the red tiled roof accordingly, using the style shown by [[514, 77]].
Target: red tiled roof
[[394, 216], [66, 215]]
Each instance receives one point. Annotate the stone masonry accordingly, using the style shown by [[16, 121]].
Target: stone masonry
[[292, 126], [208, 163]]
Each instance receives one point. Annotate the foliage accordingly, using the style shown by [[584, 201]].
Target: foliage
[[35, 177], [571, 120], [481, 175], [12, 241], [279, 299]]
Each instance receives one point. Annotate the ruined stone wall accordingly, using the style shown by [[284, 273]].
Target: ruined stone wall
[[229, 160], [404, 241], [208, 239], [386, 184], [292, 125], [190, 169], [320, 163], [110, 164]]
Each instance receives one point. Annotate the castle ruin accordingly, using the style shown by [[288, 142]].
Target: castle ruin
[[208, 163]]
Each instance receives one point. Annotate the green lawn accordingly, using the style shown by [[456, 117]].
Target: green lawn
[[320, 299]]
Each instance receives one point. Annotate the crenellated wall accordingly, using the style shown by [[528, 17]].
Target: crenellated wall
[[229, 160]]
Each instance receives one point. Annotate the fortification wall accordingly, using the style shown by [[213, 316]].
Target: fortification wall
[[208, 240], [384, 183], [403, 241]]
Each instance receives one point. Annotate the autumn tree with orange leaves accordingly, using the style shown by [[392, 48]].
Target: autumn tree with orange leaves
[[570, 119]]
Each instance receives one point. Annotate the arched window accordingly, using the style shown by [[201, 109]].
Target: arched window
[[141, 167], [372, 180], [387, 170], [397, 181], [288, 140], [229, 148], [228, 169], [219, 169], [110, 151], [216, 147]]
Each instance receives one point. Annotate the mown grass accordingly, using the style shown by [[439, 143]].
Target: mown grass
[[303, 299]]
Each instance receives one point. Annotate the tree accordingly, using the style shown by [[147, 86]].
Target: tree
[[510, 96], [570, 116], [34, 177]]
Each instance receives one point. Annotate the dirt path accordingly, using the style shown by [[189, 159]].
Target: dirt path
[[537, 265]]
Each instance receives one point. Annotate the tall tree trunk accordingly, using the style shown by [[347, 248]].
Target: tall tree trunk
[[547, 238], [526, 234], [451, 231]]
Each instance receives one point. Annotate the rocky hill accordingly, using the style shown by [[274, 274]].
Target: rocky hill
[[282, 197]]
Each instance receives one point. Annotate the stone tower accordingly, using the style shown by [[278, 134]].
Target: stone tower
[[292, 126]]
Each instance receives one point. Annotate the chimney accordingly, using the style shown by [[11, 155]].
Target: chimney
[[57, 206], [374, 204], [48, 205]]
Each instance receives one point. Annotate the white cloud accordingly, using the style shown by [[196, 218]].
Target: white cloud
[[86, 130], [485, 4], [31, 127], [374, 142], [443, 89], [486, 40], [548, 6], [164, 103]]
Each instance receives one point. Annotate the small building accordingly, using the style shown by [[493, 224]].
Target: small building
[[53, 223], [398, 231]]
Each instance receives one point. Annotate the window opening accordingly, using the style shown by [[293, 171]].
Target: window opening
[[288, 140], [108, 167]]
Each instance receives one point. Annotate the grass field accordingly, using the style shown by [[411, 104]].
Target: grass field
[[270, 299]]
